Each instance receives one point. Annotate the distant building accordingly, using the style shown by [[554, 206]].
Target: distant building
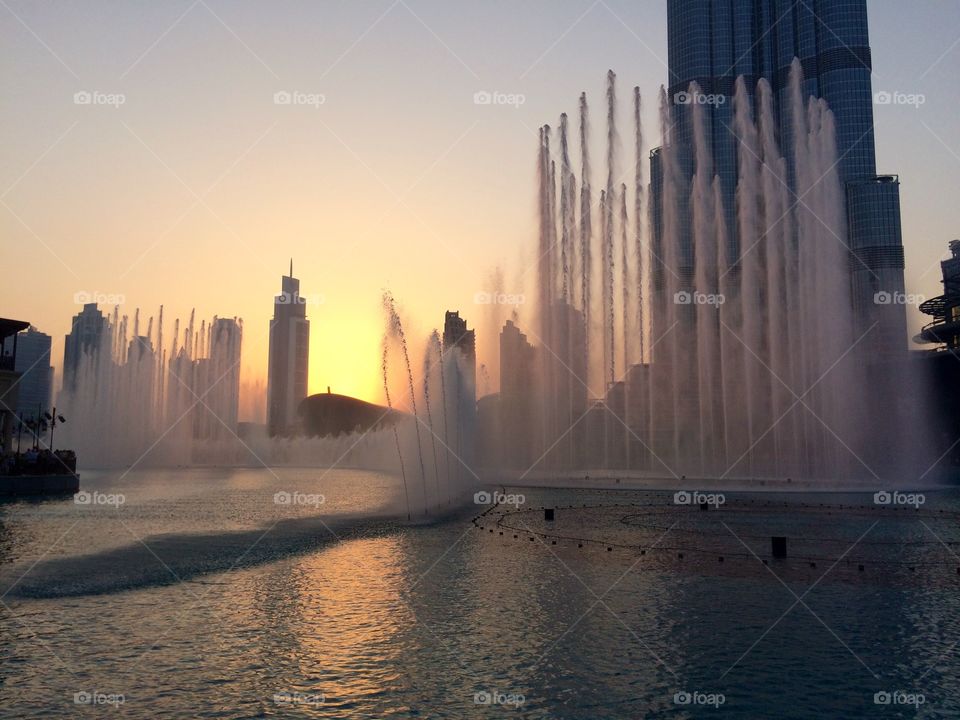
[[218, 381], [88, 330], [9, 387], [945, 309], [638, 417], [564, 363], [460, 343], [456, 335], [940, 366], [36, 381], [518, 397], [289, 357], [712, 43]]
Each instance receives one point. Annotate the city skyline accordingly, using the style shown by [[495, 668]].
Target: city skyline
[[471, 202]]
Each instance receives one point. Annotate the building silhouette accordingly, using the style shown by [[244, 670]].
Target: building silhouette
[[36, 373], [89, 329], [712, 43], [519, 395], [460, 360], [289, 357], [944, 329], [217, 381], [9, 379]]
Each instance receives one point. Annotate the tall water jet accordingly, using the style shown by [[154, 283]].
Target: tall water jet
[[586, 232], [638, 219], [396, 432], [608, 227], [396, 328], [625, 276], [565, 229], [427, 369]]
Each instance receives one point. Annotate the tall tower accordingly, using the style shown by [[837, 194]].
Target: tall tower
[[88, 331], [36, 381], [712, 43], [289, 357]]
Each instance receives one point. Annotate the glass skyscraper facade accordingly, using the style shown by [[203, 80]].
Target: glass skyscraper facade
[[712, 43]]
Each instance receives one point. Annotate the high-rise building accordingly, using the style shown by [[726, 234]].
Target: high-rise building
[[518, 397], [289, 357], [712, 43], [456, 335], [219, 381], [459, 343], [88, 331], [36, 373]]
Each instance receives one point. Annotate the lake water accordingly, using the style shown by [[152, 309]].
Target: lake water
[[208, 594]]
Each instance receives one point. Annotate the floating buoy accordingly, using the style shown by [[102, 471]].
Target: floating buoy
[[778, 546]]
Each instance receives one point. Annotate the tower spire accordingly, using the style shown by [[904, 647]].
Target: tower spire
[[291, 267]]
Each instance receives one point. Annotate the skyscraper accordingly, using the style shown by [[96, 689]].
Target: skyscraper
[[518, 396], [289, 357], [712, 43], [88, 331], [36, 381], [459, 345]]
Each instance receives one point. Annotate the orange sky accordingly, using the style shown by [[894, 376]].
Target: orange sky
[[198, 188]]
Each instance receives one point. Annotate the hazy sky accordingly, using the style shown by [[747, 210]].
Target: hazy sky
[[198, 188]]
